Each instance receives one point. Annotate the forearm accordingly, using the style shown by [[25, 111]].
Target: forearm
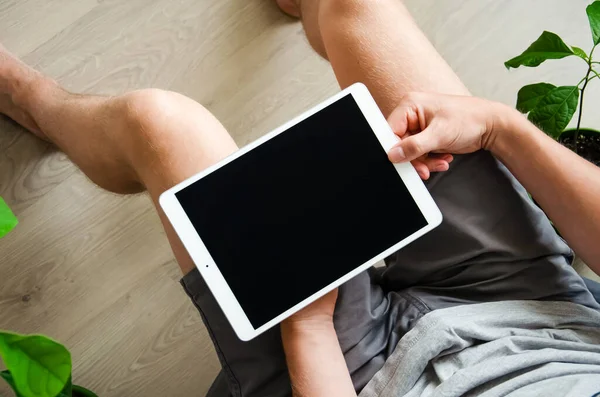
[[565, 185], [315, 360]]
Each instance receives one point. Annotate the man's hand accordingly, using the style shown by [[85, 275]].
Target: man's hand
[[566, 186], [433, 124]]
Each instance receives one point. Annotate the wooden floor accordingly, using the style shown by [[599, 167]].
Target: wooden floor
[[94, 270]]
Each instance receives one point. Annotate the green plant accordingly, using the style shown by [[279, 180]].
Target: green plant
[[551, 108], [38, 366], [7, 219]]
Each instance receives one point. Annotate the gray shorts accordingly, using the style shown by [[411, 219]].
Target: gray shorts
[[494, 244]]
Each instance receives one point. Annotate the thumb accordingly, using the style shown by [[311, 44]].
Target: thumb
[[415, 146]]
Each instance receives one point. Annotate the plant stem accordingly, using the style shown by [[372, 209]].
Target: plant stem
[[587, 80], [576, 133]]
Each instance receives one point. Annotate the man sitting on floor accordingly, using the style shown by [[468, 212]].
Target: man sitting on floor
[[486, 304]]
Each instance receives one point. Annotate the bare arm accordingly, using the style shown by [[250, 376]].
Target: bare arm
[[566, 186], [315, 361]]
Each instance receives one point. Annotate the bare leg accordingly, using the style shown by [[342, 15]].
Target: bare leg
[[143, 140], [146, 140], [378, 43]]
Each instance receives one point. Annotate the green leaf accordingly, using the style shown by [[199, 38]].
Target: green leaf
[[554, 111], [7, 219], [79, 391], [530, 95], [40, 367], [6, 375], [67, 391], [579, 52], [593, 13], [548, 46]]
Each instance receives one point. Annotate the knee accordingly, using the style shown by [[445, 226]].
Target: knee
[[347, 8], [163, 132], [156, 124], [331, 16], [145, 113], [148, 125]]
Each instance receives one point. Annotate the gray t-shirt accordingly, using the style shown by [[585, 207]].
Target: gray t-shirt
[[516, 348]]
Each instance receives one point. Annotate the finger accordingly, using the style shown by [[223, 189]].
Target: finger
[[398, 121], [405, 118], [421, 169], [436, 164], [447, 157], [434, 160], [415, 146], [442, 166]]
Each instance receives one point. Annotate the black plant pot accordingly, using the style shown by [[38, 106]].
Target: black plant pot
[[588, 143]]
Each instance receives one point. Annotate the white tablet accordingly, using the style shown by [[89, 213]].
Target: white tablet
[[300, 211]]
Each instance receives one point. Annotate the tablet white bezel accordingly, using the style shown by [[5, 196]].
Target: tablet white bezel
[[209, 269]]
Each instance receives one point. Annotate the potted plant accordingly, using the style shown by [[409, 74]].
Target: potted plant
[[37, 366], [551, 108]]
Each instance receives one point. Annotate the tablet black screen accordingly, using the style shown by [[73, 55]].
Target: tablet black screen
[[302, 210]]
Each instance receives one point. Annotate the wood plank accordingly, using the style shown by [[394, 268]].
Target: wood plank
[[26, 24]]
